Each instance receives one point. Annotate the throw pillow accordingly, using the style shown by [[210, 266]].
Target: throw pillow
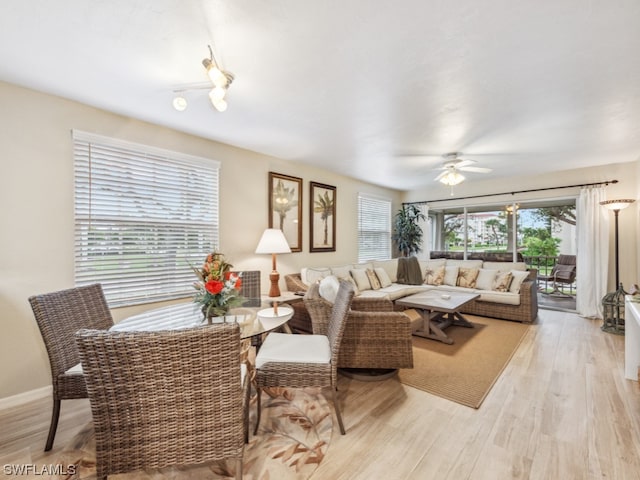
[[518, 277], [451, 276], [361, 279], [467, 277], [328, 288], [434, 276], [383, 277], [485, 279], [373, 279], [502, 282]]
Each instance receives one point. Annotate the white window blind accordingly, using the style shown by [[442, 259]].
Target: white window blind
[[374, 228], [143, 216]]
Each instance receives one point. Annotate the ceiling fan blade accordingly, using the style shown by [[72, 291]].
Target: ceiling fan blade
[[441, 175], [465, 162], [475, 169]]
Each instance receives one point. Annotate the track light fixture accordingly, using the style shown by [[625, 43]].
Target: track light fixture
[[221, 80]]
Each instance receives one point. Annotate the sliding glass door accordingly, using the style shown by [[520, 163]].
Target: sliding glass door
[[540, 232]]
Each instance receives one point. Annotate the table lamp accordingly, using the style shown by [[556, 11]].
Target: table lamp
[[273, 241]]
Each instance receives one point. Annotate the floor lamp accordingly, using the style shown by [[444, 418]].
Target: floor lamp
[[272, 242], [613, 302]]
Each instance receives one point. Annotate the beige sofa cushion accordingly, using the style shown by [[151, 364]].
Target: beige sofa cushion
[[431, 264], [396, 290], [464, 263], [363, 266], [505, 298], [341, 271], [390, 266], [374, 294], [309, 276], [505, 266]]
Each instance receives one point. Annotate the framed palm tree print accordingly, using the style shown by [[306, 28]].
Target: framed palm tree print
[[285, 208], [322, 217]]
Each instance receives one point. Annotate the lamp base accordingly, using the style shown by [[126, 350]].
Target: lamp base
[[274, 277]]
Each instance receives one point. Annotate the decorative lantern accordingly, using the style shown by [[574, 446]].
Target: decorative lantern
[[613, 306]]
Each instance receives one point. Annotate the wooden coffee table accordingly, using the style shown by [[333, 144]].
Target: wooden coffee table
[[439, 310]]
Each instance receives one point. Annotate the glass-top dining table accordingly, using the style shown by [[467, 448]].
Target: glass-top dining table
[[253, 321]]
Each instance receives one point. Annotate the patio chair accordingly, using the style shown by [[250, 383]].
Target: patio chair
[[562, 273], [165, 398], [292, 360], [59, 315]]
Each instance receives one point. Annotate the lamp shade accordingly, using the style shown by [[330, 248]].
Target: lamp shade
[[273, 241], [617, 204]]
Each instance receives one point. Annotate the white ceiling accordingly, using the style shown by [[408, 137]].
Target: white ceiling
[[361, 87]]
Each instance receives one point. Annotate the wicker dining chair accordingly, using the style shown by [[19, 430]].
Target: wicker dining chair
[[292, 360], [165, 398], [59, 315]]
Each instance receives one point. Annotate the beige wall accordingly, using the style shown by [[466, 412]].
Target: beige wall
[[36, 189], [627, 174]]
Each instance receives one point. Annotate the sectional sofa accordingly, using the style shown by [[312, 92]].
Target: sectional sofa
[[507, 289]]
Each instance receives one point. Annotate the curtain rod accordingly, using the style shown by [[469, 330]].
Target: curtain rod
[[605, 183]]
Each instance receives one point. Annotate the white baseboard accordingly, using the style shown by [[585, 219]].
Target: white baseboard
[[26, 397]]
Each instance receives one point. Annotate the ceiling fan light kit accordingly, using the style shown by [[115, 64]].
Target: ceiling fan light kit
[[452, 178], [452, 167], [221, 80]]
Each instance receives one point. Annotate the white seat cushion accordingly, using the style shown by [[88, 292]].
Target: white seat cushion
[[505, 298], [287, 348], [75, 370]]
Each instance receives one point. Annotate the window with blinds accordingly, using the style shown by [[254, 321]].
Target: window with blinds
[[374, 228], [143, 217]]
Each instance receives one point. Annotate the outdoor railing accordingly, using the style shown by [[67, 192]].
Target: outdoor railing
[[544, 264]]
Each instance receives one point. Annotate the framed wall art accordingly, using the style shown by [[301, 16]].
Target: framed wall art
[[322, 217], [285, 207]]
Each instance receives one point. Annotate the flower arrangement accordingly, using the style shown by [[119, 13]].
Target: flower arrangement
[[218, 289]]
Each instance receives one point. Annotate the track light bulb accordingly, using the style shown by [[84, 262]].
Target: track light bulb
[[217, 93], [180, 104], [219, 104]]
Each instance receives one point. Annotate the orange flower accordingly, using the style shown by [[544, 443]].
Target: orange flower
[[214, 286]]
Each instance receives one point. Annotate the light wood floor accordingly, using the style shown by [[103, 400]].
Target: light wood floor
[[561, 410]]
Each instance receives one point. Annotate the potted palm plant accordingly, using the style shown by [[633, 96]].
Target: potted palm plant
[[407, 232]]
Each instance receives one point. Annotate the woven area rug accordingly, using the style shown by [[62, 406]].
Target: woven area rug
[[465, 371], [293, 438]]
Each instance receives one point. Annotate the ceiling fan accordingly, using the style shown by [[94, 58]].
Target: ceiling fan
[[452, 167]]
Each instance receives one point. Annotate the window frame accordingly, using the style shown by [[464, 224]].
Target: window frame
[[383, 205], [143, 217]]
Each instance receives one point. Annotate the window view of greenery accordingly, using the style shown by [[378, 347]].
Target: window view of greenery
[[540, 231]]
